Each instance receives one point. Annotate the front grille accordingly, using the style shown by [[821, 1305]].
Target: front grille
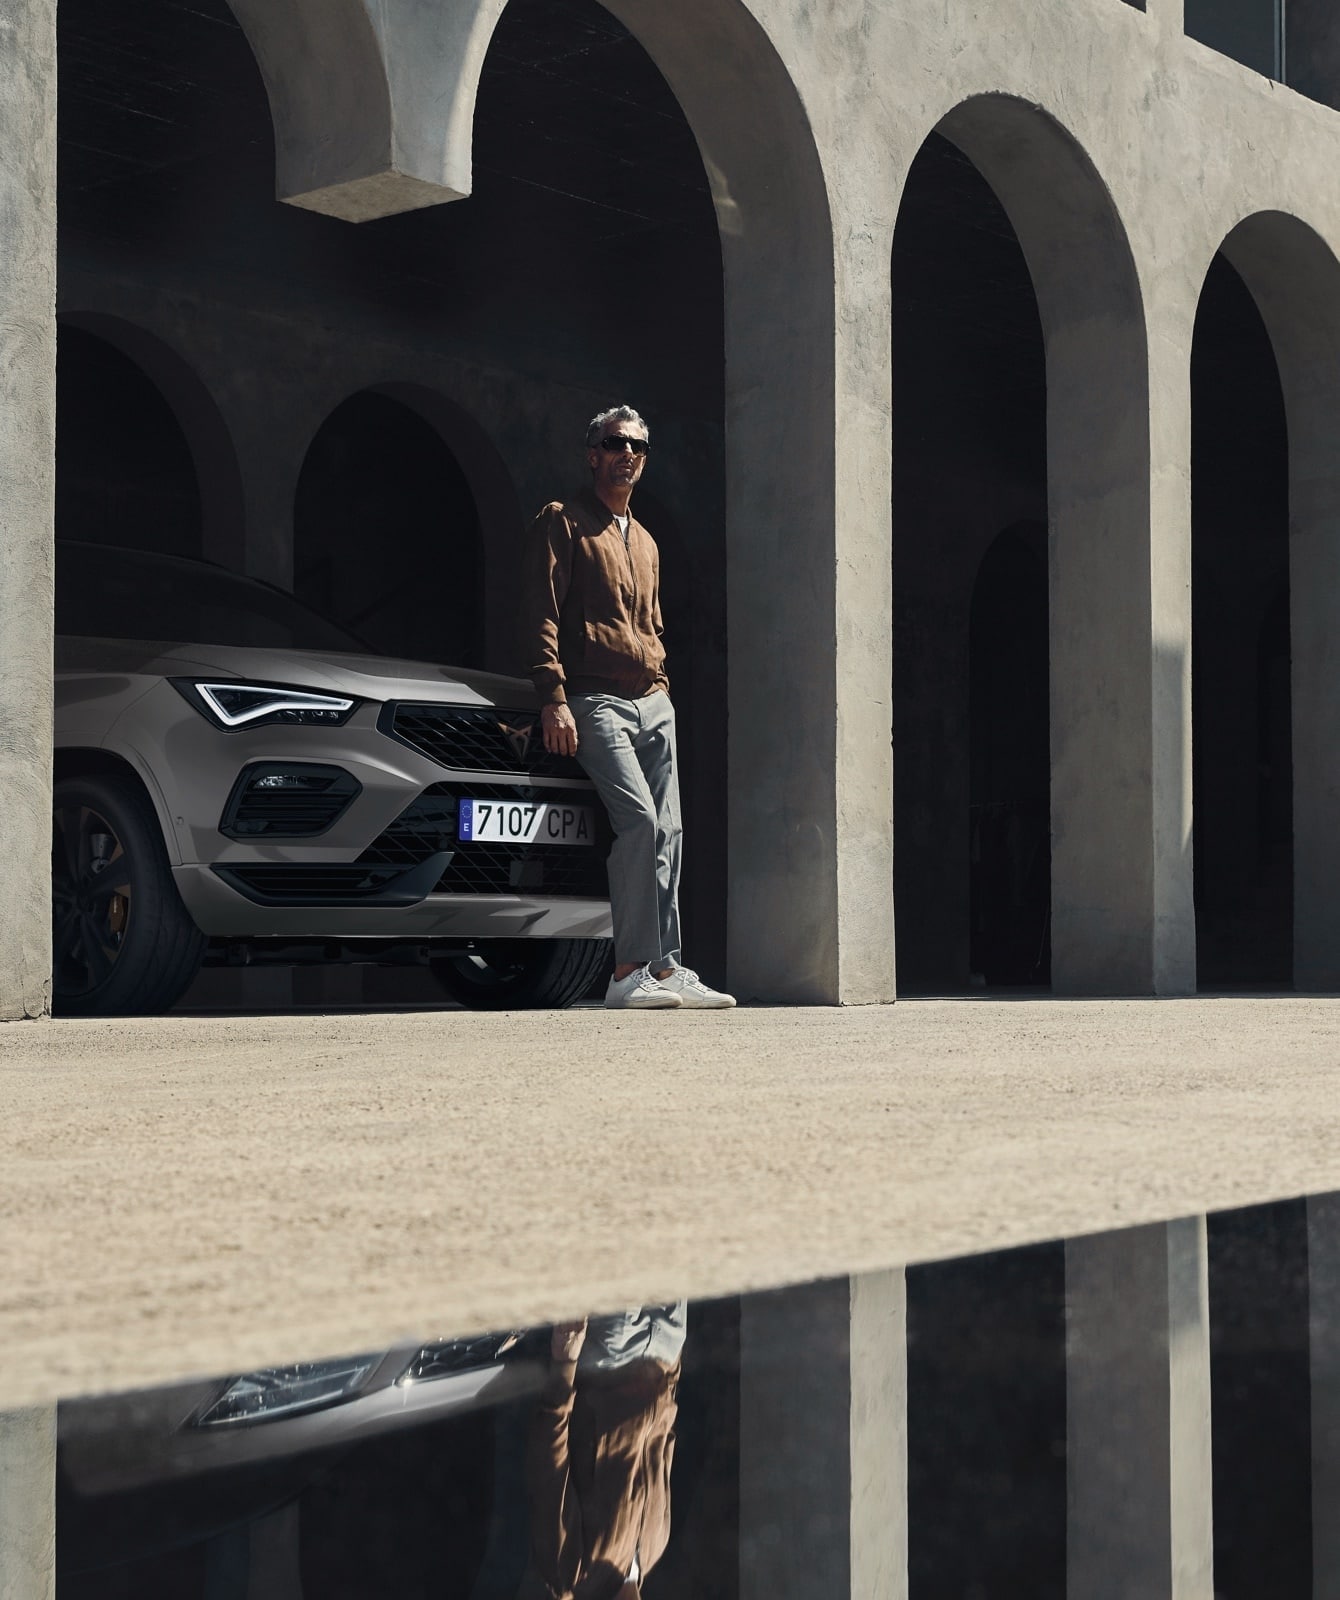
[[428, 824], [470, 740]]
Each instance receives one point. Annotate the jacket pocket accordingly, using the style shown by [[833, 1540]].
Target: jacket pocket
[[610, 650]]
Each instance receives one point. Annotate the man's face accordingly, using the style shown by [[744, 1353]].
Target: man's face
[[617, 468]]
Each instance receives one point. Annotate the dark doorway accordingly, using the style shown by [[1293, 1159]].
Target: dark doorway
[[986, 1426], [969, 458], [386, 534], [1241, 700], [1010, 762], [124, 471], [1260, 1382]]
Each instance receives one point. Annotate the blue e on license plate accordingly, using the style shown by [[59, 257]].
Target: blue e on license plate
[[524, 822]]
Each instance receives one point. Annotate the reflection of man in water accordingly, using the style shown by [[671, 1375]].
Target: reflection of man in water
[[601, 1447]]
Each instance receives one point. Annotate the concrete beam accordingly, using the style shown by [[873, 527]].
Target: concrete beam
[[1140, 1522], [28, 1504], [373, 104], [27, 498], [823, 1441]]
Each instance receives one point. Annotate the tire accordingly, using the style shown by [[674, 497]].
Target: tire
[[521, 974], [122, 941]]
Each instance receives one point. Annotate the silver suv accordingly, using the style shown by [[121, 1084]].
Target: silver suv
[[238, 779]]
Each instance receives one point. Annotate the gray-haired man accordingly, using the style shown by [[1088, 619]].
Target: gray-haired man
[[594, 618]]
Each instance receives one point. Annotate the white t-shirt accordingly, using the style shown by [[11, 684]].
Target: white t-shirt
[[623, 525]]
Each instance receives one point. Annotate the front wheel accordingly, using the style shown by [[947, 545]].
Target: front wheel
[[122, 941], [517, 974]]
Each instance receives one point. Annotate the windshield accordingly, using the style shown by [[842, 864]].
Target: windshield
[[107, 593]]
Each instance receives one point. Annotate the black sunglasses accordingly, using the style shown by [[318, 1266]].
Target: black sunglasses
[[616, 442]]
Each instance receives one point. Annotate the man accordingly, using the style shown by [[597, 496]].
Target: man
[[594, 622], [600, 1455]]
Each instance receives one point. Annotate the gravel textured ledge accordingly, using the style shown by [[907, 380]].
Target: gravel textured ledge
[[204, 1194]]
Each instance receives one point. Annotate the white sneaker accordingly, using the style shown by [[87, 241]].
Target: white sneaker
[[693, 993], [639, 991]]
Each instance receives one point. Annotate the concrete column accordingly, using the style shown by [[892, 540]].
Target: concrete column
[[823, 1441], [1323, 1277], [1139, 1490], [809, 596], [27, 497], [28, 1504], [1123, 918]]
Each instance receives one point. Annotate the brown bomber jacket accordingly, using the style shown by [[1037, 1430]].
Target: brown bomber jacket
[[592, 611]]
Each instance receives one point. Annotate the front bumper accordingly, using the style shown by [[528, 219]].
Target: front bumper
[[388, 867], [224, 913]]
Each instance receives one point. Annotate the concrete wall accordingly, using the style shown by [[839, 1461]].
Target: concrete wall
[[1124, 155], [27, 487]]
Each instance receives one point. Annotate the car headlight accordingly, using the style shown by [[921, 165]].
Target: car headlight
[[285, 1391], [249, 705]]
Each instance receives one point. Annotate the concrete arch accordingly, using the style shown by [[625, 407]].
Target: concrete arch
[[1121, 875], [213, 451], [409, 145], [1293, 275]]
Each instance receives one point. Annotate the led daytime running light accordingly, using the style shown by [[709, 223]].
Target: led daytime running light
[[268, 702]]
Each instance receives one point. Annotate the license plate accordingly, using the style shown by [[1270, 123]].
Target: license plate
[[524, 822]]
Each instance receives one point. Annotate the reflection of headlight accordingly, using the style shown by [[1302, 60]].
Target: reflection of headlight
[[284, 1391], [247, 705], [457, 1355]]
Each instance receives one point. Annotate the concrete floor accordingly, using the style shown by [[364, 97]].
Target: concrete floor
[[199, 1194]]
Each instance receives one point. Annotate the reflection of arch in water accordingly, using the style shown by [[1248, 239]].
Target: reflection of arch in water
[[1117, 913], [399, 498], [1294, 278], [1009, 762], [144, 457]]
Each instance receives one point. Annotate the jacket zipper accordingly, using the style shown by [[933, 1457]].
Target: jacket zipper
[[632, 579]]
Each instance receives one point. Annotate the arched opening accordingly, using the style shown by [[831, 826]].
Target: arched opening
[[386, 534], [532, 276], [584, 267], [1009, 848], [1240, 608], [124, 469], [969, 458], [1270, 317], [1013, 284]]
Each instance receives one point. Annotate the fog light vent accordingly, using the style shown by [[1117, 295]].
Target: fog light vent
[[287, 800]]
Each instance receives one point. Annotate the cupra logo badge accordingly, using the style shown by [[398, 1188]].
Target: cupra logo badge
[[517, 735]]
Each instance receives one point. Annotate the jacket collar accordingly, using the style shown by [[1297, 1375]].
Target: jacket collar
[[600, 511]]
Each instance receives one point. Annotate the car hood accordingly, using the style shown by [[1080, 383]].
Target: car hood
[[363, 676]]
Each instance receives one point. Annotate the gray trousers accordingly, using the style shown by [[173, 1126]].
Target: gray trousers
[[628, 750]]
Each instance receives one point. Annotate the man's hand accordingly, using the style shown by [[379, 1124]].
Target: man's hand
[[559, 728], [566, 1341]]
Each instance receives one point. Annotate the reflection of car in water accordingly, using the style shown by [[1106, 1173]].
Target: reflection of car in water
[[240, 780], [143, 1471]]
